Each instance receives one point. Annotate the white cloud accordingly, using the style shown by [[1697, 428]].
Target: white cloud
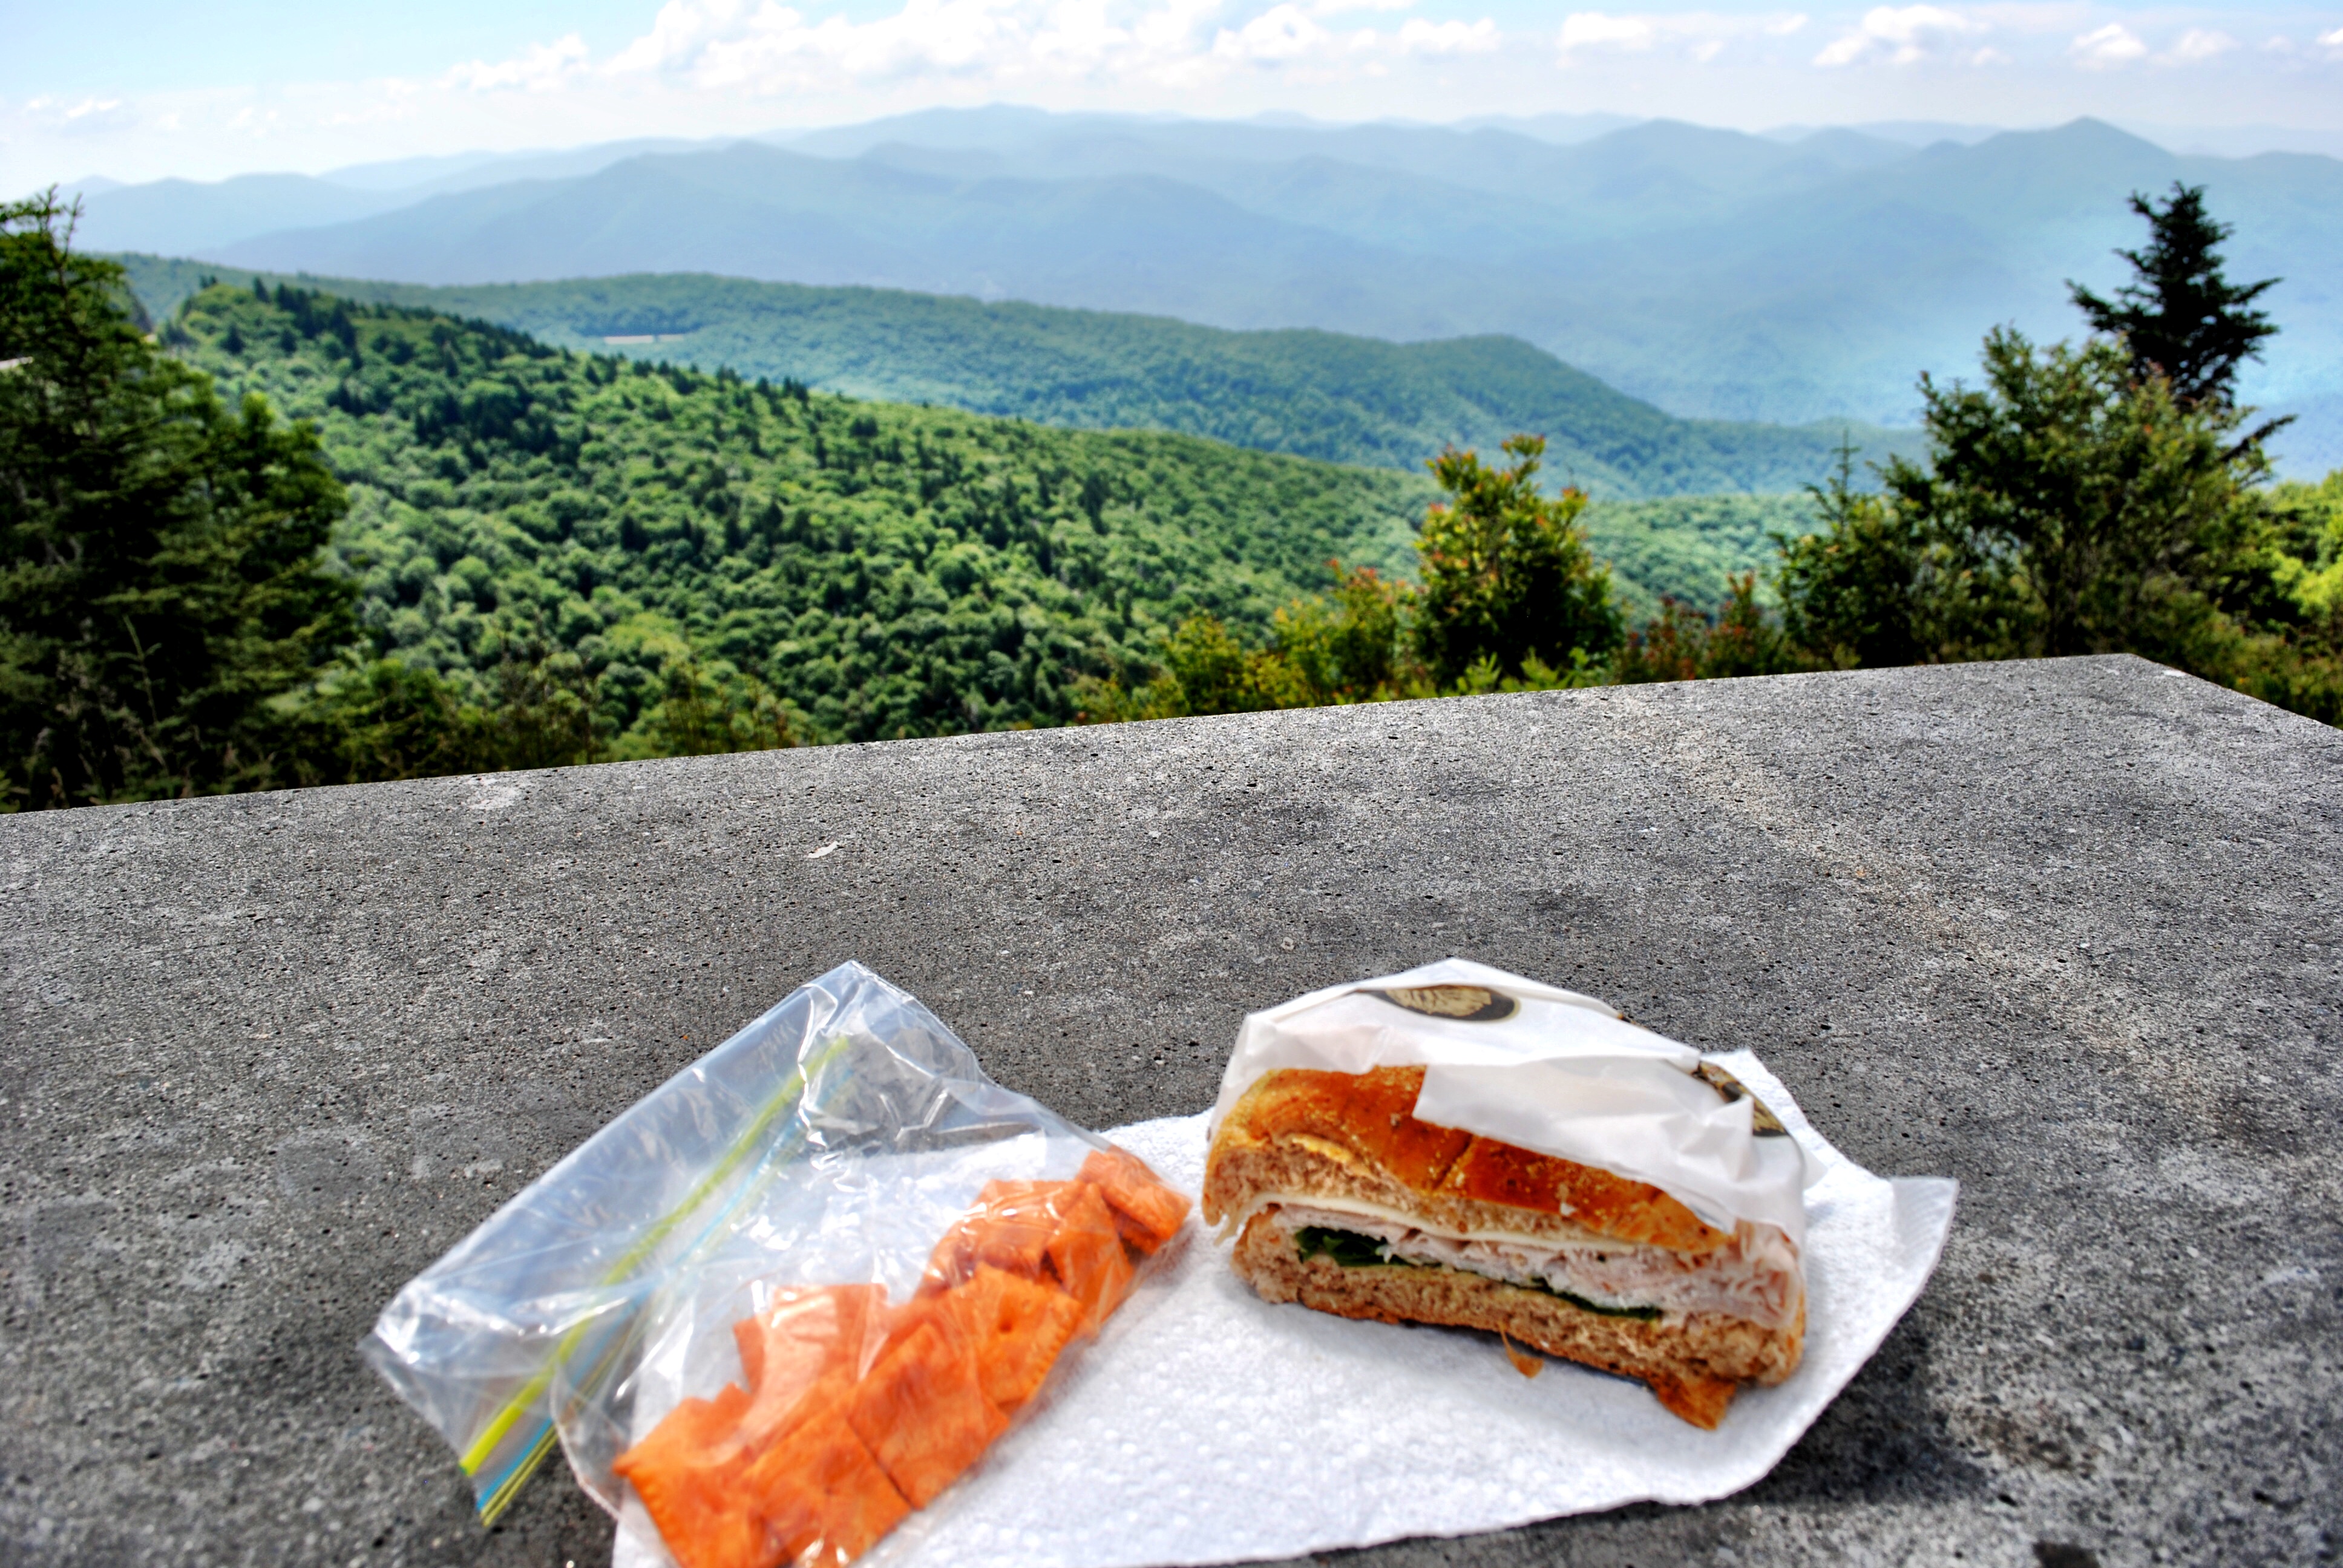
[[1595, 30], [2198, 45], [252, 120], [2032, 17], [1168, 28], [2108, 47], [765, 47], [1079, 31], [1418, 36], [771, 48], [681, 29], [1280, 33], [80, 116], [730, 67], [541, 68], [1702, 36], [1904, 36]]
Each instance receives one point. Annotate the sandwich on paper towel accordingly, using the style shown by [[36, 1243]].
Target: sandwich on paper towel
[[1462, 1146]]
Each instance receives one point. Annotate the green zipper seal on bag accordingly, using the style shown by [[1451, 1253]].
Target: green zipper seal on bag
[[509, 1484]]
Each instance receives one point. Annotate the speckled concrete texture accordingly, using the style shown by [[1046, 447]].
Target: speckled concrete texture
[[2066, 932]]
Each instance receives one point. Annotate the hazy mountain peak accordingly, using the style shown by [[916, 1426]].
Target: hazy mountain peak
[[1709, 271], [2088, 132]]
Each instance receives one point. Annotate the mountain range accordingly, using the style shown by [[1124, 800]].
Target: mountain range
[[1307, 393], [1783, 278]]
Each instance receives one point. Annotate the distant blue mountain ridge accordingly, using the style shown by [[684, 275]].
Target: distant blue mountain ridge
[[1784, 278]]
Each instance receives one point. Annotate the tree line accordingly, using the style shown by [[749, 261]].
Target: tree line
[[287, 538], [2106, 496], [468, 550]]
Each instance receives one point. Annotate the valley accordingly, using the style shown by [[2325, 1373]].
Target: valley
[[1311, 394]]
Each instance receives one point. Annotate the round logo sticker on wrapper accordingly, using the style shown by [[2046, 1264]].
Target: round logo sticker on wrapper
[[1464, 1003], [1763, 1123]]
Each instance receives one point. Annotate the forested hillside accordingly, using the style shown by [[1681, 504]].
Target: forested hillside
[[1312, 393], [887, 570], [476, 550], [1688, 547]]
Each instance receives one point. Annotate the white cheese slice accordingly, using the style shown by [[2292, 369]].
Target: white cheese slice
[[1578, 1236]]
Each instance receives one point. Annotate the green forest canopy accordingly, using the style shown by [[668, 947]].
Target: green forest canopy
[[887, 570], [1311, 394], [545, 555]]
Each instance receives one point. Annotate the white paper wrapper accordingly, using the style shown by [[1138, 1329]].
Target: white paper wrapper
[[1542, 1068], [1208, 1426]]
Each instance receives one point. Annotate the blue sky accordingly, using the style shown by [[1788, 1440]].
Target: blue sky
[[140, 89]]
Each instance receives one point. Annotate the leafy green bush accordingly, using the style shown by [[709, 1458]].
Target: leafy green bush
[[1506, 574], [2073, 506], [1511, 601], [1681, 643]]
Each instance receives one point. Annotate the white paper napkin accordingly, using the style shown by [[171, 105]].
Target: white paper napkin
[[1208, 1426]]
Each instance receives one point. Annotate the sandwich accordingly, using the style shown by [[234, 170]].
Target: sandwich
[[1461, 1147]]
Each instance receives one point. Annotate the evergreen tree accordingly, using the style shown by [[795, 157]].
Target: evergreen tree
[[1506, 572], [2179, 318], [160, 584], [1850, 590], [2068, 506]]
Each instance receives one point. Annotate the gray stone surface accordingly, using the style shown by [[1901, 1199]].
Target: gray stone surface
[[2065, 932]]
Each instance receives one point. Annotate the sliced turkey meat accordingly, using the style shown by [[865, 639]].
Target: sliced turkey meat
[[1753, 1276]]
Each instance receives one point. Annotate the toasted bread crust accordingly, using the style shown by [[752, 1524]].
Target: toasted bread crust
[[1693, 1363], [1336, 1134]]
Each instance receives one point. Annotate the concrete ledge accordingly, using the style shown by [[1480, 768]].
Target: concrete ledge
[[2067, 932]]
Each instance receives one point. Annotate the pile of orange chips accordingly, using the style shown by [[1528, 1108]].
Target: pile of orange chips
[[856, 1412]]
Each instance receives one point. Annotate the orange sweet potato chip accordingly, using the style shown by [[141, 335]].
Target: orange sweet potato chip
[[806, 1334], [856, 1413], [1087, 1253], [1153, 1211], [820, 1492], [923, 1414], [684, 1471], [1008, 1228], [1014, 1329]]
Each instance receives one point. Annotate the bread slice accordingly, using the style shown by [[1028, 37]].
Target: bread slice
[[1434, 1225]]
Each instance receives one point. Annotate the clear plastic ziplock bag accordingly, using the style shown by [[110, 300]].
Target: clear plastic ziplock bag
[[787, 1297]]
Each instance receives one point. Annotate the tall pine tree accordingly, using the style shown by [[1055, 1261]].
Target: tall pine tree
[[161, 583], [2179, 318]]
